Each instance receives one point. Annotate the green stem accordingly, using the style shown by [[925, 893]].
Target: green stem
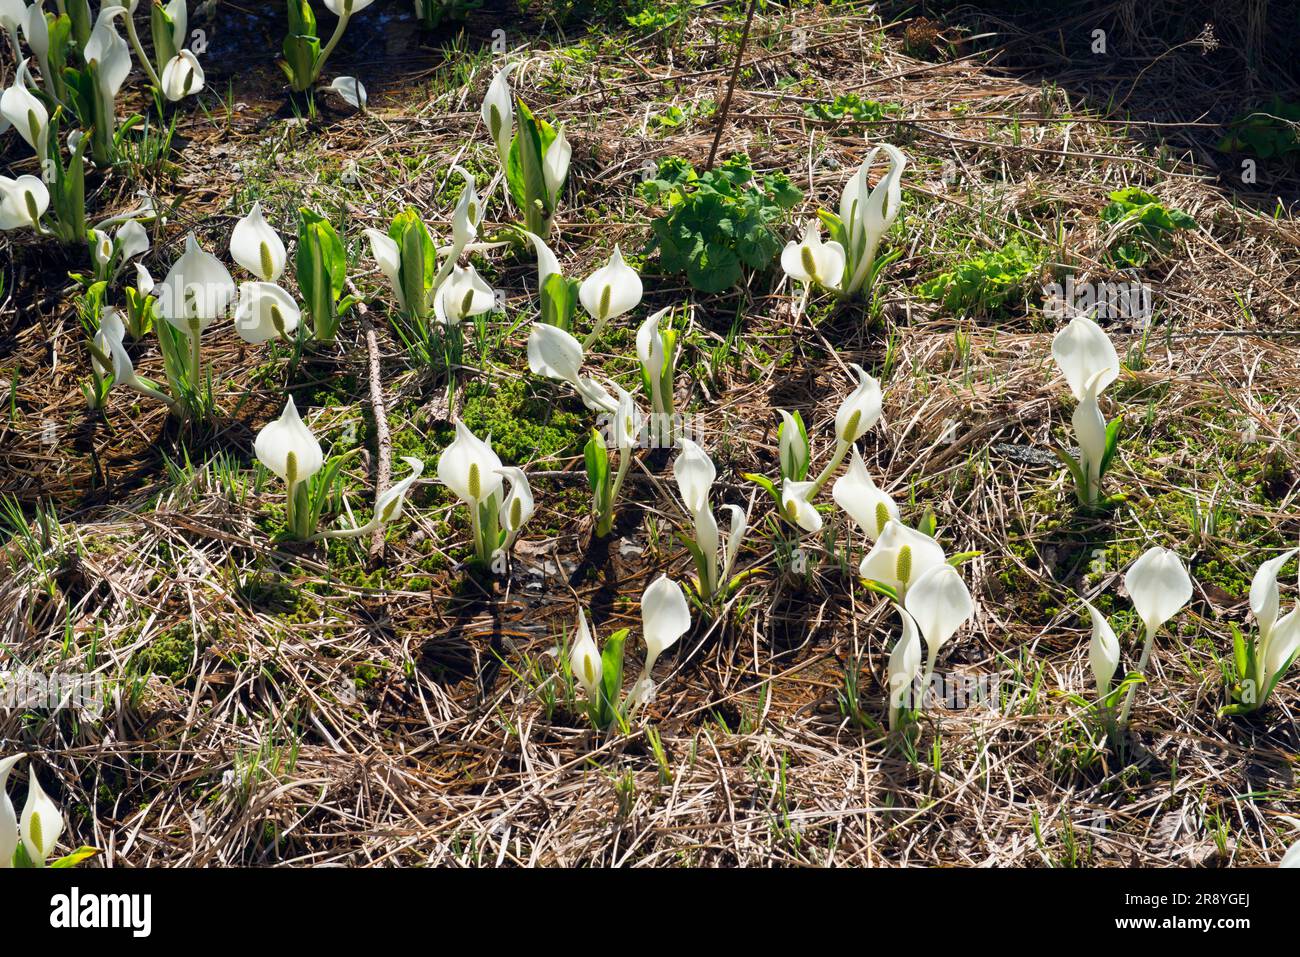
[[841, 450], [333, 42], [1141, 669], [139, 51], [195, 332]]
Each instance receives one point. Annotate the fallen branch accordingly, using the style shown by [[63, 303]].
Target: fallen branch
[[383, 441]]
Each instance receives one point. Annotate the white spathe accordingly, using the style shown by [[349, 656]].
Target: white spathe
[[695, 474], [41, 823], [1082, 351], [940, 603], [498, 112], [287, 447], [612, 290], [197, 288], [797, 506], [584, 660], [1159, 587], [517, 506], [265, 312], [352, 90], [470, 468], [182, 76], [860, 497], [1103, 650], [256, 246], [388, 256], [463, 296], [860, 409], [904, 663], [811, 260], [900, 556], [23, 201], [9, 835], [389, 504]]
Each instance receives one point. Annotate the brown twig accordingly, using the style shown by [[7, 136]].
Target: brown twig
[[383, 441], [731, 85]]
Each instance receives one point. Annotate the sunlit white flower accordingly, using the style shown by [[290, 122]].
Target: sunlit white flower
[[287, 447], [463, 296], [41, 823], [796, 504], [351, 90], [256, 246], [811, 260], [584, 660], [23, 201], [182, 76], [470, 468], [265, 312], [900, 556], [862, 499]]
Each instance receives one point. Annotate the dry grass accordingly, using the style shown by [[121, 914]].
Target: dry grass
[[281, 705]]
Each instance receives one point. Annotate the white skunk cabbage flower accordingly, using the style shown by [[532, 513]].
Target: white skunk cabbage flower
[[653, 356], [498, 112], [9, 835], [665, 617], [467, 215], [860, 409], [265, 312], [796, 504], [197, 289], [547, 263], [517, 506], [1103, 650], [900, 556], [792, 444], [26, 112], [182, 76], [352, 91], [388, 256], [868, 213], [470, 468], [287, 447], [904, 664], [143, 280], [1292, 857], [695, 474], [41, 823], [811, 260], [610, 291], [862, 499], [346, 7], [23, 201], [584, 660], [735, 538], [390, 502], [555, 165], [1159, 587], [256, 246], [554, 353], [107, 48], [108, 341], [462, 296], [940, 603], [1083, 351]]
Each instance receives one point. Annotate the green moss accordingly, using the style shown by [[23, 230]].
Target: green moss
[[169, 655]]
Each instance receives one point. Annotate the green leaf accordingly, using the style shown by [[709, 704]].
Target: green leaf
[[1112, 442], [611, 678], [880, 588], [765, 483], [83, 853]]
